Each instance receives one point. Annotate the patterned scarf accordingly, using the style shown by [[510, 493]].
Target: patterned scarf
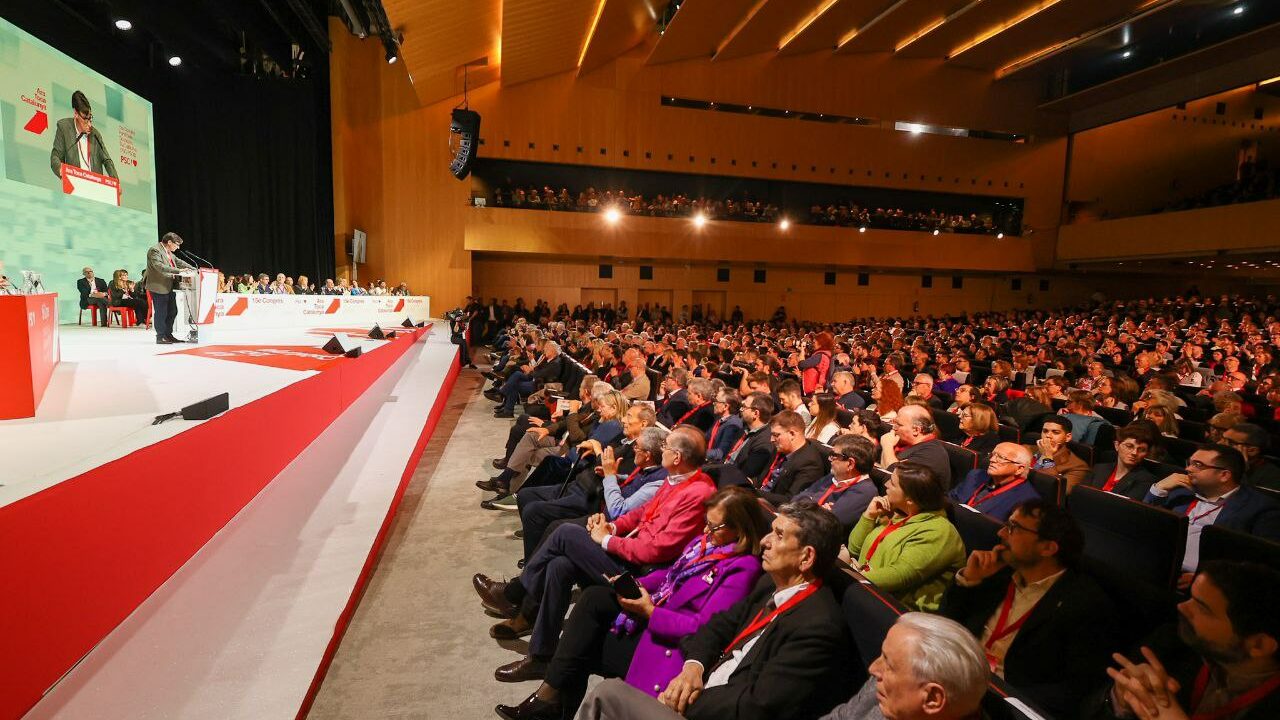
[[698, 556]]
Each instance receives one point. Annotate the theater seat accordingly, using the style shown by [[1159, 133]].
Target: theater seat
[[1009, 433], [962, 461], [1219, 543], [1140, 541], [727, 475], [948, 425], [977, 530], [1115, 416], [880, 478], [1051, 488], [869, 613], [996, 705]]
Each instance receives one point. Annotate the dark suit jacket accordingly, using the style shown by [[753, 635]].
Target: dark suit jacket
[[552, 370], [1183, 664], [99, 285], [756, 453], [1056, 657], [798, 668], [703, 418], [66, 150], [1133, 486], [1248, 510], [731, 429], [801, 469], [675, 405]]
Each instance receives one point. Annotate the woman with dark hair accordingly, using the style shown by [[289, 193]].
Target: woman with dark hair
[[866, 423], [823, 427], [612, 636], [904, 543]]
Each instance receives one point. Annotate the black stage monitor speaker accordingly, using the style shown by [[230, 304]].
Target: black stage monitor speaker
[[407, 323], [206, 409], [335, 346], [466, 125], [377, 334]]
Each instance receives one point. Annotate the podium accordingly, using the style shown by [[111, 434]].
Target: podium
[[199, 301], [90, 185], [29, 323]]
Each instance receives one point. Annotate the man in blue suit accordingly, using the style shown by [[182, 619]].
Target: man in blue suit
[[1211, 493]]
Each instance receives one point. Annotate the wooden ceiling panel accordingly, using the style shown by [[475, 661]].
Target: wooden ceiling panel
[[896, 23], [698, 29], [1056, 24], [987, 16], [765, 29], [541, 38], [440, 37], [623, 24], [826, 30]]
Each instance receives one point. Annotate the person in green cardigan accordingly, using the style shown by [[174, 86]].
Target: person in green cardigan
[[904, 543]]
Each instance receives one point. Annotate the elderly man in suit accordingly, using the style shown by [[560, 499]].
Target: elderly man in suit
[[163, 270], [93, 293], [781, 652], [77, 142], [1044, 626]]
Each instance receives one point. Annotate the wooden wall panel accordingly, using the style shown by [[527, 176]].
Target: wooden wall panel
[[801, 291], [1249, 226], [541, 38]]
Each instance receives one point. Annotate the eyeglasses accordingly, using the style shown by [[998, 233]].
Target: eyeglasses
[[1133, 446], [840, 456], [1237, 443], [86, 116], [1198, 466], [1012, 526], [715, 528], [997, 457]]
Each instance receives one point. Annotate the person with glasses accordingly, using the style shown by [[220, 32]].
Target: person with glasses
[[753, 452], [904, 543], [653, 534], [999, 487], [847, 489], [1210, 493], [797, 463], [1045, 627], [639, 639], [728, 427], [77, 142], [980, 426], [1252, 441], [1126, 476]]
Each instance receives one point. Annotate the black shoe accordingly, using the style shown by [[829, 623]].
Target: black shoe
[[522, 670], [520, 563], [471, 366], [505, 414], [499, 463], [503, 503], [531, 709], [493, 597], [495, 485], [491, 375], [519, 534], [493, 395], [164, 341]]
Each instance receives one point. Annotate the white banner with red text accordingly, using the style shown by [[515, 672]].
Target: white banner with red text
[[235, 312]]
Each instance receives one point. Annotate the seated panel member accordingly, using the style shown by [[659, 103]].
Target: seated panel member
[[781, 653], [93, 293], [999, 487], [1045, 627], [904, 543]]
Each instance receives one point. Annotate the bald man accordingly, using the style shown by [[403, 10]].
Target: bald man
[[1000, 487], [915, 437]]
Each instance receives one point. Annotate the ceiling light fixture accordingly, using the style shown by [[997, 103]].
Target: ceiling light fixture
[[1237, 10], [123, 24], [992, 32], [174, 61]]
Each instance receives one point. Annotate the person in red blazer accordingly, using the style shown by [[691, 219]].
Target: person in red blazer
[[652, 534]]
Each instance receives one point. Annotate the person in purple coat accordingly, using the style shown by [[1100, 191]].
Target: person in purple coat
[[612, 636]]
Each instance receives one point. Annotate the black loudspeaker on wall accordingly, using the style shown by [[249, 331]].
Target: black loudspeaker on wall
[[466, 125]]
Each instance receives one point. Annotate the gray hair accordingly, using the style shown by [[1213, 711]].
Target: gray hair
[[650, 440], [600, 389], [551, 345], [946, 653], [703, 388]]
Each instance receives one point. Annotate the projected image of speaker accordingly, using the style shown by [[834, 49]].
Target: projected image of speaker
[[466, 125]]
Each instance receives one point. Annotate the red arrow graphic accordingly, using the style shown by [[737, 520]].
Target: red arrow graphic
[[38, 123]]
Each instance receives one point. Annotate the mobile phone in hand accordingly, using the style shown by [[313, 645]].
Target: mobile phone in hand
[[626, 586]]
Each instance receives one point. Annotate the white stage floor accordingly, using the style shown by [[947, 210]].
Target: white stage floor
[[239, 631], [111, 384]]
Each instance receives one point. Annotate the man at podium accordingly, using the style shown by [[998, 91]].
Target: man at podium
[[164, 270], [77, 142]]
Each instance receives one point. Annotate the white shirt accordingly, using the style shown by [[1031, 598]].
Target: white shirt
[[721, 674], [83, 145], [1204, 514]]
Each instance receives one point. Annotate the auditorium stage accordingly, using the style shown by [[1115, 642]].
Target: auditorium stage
[[201, 569]]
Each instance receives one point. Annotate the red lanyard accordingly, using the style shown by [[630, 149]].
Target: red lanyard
[[974, 501], [759, 622], [777, 460], [1002, 629], [715, 429], [738, 444], [875, 544], [630, 477], [1216, 509], [839, 488], [687, 415], [1111, 481], [1241, 702]]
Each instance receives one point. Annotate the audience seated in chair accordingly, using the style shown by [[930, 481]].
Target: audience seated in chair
[[914, 437], [797, 463], [1127, 476], [847, 489], [1051, 454], [1001, 486]]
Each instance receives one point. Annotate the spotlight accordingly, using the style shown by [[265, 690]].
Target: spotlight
[[174, 61], [1126, 54], [862, 229], [999, 236], [123, 24], [935, 231], [392, 53], [1237, 10], [612, 215], [784, 224], [699, 220]]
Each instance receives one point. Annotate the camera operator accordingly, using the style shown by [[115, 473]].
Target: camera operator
[[458, 334]]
